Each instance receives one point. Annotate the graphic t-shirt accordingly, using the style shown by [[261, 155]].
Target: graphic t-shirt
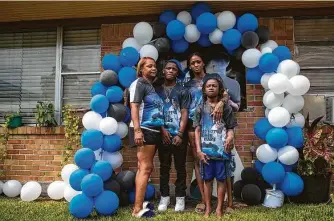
[[213, 134], [195, 89], [151, 105], [175, 99]]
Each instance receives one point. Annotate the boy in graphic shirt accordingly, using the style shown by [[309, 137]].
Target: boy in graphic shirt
[[214, 141]]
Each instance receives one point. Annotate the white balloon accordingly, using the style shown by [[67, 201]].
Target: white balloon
[[288, 155], [56, 190], [191, 33], [31, 191], [266, 50], [115, 159], [12, 188], [226, 20], [216, 36], [296, 120], [217, 14], [299, 85], [149, 51], [271, 100], [67, 171], [143, 32], [289, 68], [251, 57], [278, 83], [1, 186], [265, 79], [91, 120], [266, 153], [98, 154], [108, 126], [266, 112], [293, 104], [269, 44], [122, 130], [131, 42], [184, 17], [69, 193], [278, 117]]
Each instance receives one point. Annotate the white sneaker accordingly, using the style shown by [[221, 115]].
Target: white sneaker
[[164, 203], [180, 204]]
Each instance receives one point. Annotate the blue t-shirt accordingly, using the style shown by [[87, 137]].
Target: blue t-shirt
[[175, 99], [213, 134], [151, 105], [195, 89]]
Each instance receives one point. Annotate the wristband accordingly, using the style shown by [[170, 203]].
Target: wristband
[[138, 130], [180, 134]]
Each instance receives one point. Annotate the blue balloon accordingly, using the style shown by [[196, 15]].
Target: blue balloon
[[175, 30], [268, 63], [128, 56], [103, 115], [76, 178], [167, 16], [253, 75], [277, 138], [258, 166], [106, 203], [92, 185], [198, 9], [132, 195], [103, 169], [128, 115], [295, 137], [273, 172], [81, 206], [247, 22], [180, 46], [282, 52], [92, 139], [261, 128], [204, 41], [126, 76], [98, 88], [206, 23], [99, 103], [150, 192], [114, 94], [84, 158], [292, 184], [231, 39], [111, 62], [112, 143], [287, 168]]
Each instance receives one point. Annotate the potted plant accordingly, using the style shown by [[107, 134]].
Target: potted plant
[[316, 161], [13, 120], [45, 114]]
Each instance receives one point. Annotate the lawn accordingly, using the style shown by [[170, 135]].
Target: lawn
[[45, 209]]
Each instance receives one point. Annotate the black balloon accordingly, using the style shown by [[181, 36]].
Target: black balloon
[[263, 33], [112, 185], [162, 44], [109, 78], [126, 179], [123, 199], [117, 111], [249, 40], [251, 194], [159, 29], [237, 188], [249, 175], [263, 186]]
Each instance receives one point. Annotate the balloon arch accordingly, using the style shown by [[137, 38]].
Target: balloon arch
[[267, 64]]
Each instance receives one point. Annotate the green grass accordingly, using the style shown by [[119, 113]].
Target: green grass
[[45, 209]]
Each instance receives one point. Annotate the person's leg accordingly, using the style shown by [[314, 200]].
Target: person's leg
[[165, 159], [180, 155], [229, 193], [221, 190], [207, 197], [207, 175], [145, 156]]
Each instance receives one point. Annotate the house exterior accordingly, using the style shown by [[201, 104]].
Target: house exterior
[[51, 51]]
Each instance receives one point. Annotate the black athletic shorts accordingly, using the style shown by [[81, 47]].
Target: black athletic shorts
[[150, 137]]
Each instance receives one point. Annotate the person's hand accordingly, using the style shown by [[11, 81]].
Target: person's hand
[[218, 111], [203, 157], [139, 138], [177, 141], [166, 137], [228, 144]]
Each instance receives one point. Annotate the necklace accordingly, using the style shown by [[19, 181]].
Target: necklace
[[168, 91]]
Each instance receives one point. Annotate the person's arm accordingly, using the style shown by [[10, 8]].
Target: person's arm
[[202, 156], [235, 106], [230, 123], [185, 99], [219, 108]]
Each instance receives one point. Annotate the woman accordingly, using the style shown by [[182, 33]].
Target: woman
[[147, 119], [197, 73]]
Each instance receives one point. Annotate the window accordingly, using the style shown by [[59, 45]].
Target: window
[[57, 65]]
